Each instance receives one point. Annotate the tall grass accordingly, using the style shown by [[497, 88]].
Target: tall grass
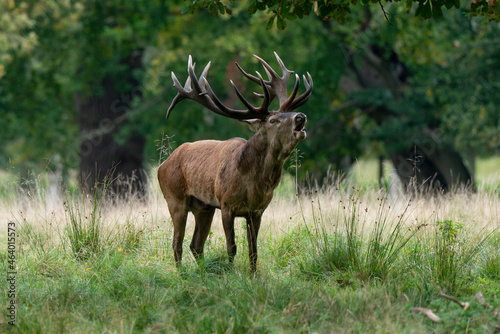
[[366, 246], [330, 260], [85, 227]]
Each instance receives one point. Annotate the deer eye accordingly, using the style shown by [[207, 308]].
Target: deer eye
[[272, 120]]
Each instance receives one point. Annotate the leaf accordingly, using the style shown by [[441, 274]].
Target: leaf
[[424, 9], [221, 8], [252, 9], [260, 5], [271, 22], [188, 9], [436, 8], [281, 23], [449, 3]]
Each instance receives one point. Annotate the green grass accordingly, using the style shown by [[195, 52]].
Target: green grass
[[364, 173], [488, 167], [340, 260]]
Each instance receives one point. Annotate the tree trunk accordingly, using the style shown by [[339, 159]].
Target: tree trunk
[[436, 170], [102, 158], [436, 167], [381, 182]]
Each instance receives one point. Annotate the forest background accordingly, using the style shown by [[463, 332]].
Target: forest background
[[85, 85]]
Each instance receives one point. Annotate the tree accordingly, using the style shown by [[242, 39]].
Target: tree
[[306, 45], [112, 61], [31, 105], [384, 82], [282, 11], [89, 52], [406, 124]]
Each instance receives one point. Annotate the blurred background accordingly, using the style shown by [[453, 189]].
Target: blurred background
[[85, 85]]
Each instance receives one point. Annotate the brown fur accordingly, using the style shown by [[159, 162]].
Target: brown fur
[[236, 176]]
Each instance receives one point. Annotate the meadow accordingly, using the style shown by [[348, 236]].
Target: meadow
[[343, 258]]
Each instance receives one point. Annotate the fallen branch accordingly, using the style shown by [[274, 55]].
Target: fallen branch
[[462, 305], [427, 312]]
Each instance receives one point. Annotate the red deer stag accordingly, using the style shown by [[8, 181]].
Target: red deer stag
[[236, 176]]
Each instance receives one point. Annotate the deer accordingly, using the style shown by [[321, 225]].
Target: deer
[[236, 176]]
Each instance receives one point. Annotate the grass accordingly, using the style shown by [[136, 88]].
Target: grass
[[365, 173], [339, 260]]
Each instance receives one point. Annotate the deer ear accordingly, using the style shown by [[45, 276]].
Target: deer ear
[[253, 124]]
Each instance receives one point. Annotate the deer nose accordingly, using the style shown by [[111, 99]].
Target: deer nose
[[300, 118]]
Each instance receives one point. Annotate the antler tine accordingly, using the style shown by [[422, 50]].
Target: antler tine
[[204, 73], [269, 70], [242, 99], [179, 97], [251, 113], [221, 108], [282, 65], [285, 106], [187, 92], [304, 96], [202, 93], [192, 75], [277, 84], [267, 96], [248, 76]]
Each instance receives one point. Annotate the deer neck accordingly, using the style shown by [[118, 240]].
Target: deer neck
[[262, 160]]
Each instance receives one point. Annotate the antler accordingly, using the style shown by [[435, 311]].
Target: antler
[[278, 85], [275, 86], [203, 94]]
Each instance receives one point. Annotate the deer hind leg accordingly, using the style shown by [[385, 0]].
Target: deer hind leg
[[178, 213], [228, 224], [253, 226], [203, 215]]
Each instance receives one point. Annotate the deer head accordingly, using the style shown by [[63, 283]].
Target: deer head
[[235, 175]]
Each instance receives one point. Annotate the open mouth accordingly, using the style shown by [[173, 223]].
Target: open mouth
[[298, 131]]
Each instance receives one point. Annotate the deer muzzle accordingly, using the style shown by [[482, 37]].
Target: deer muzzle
[[300, 121]]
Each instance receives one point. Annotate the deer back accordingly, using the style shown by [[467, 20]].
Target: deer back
[[208, 170]]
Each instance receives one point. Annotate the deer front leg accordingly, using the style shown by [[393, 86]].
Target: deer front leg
[[253, 226], [228, 224]]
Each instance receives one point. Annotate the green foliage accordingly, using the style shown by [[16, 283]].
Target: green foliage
[[85, 228], [491, 267], [213, 6], [490, 10], [367, 253], [475, 318], [450, 257], [140, 292], [440, 105], [309, 278], [447, 249], [132, 237], [282, 10], [14, 22], [291, 246], [77, 45], [54, 53]]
